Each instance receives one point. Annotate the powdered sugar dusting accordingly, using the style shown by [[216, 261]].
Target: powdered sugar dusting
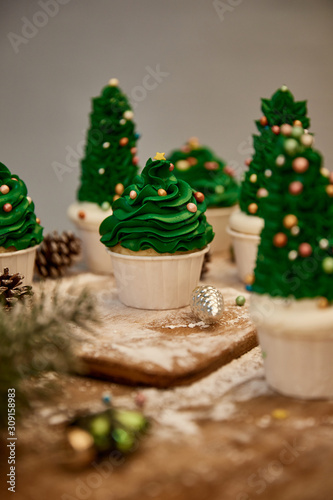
[[214, 397], [158, 343], [190, 325]]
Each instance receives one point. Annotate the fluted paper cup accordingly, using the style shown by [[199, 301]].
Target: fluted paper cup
[[296, 338], [245, 233], [245, 250], [20, 261], [219, 219], [157, 282], [95, 254]]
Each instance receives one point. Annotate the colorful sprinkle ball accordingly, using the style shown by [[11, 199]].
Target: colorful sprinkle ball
[[323, 303], [249, 279], [263, 121], [199, 197], [119, 189], [7, 207], [106, 398], [252, 208], [240, 300], [105, 205], [280, 414], [140, 399], [191, 207], [4, 189]]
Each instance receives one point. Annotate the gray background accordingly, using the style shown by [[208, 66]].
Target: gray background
[[217, 71]]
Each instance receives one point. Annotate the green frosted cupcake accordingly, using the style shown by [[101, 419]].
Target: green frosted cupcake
[[205, 172], [157, 236], [20, 230]]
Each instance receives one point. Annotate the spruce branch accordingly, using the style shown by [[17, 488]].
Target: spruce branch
[[39, 337]]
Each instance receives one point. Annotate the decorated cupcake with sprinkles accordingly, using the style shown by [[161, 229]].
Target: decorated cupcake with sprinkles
[[157, 236], [292, 303], [109, 165], [280, 114], [20, 229], [208, 174]]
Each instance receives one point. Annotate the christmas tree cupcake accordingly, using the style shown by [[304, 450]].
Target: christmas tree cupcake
[[109, 165], [208, 174], [20, 230], [157, 236], [245, 225], [293, 286]]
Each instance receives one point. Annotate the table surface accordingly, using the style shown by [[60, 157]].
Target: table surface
[[222, 437]]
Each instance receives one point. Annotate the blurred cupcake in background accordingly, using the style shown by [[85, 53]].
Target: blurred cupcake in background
[[109, 165], [207, 174]]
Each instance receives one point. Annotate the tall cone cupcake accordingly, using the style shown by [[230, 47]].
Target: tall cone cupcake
[[293, 293], [245, 225], [109, 165], [157, 236]]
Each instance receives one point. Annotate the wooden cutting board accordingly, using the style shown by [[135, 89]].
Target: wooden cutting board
[[161, 348]]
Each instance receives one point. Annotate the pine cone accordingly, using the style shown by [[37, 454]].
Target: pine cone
[[56, 253], [10, 289], [205, 267]]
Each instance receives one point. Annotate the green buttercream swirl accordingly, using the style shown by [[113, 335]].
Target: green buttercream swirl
[[106, 162], [280, 109], [220, 189], [282, 271], [163, 223], [18, 228]]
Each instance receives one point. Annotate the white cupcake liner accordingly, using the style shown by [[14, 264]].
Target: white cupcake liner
[[219, 219], [95, 253], [159, 282], [245, 250], [21, 261], [296, 338]]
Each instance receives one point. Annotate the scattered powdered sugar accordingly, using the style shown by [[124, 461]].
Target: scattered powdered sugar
[[214, 397], [164, 341], [190, 325]]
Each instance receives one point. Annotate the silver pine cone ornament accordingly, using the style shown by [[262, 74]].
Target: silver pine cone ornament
[[207, 303]]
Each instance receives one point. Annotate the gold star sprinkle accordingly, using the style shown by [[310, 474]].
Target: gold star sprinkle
[[159, 156]]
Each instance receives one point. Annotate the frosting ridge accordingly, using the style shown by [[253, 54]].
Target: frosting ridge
[[158, 211], [18, 225]]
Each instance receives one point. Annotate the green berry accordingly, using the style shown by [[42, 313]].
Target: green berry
[[291, 146], [327, 265], [105, 205], [297, 132], [219, 189], [240, 300]]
